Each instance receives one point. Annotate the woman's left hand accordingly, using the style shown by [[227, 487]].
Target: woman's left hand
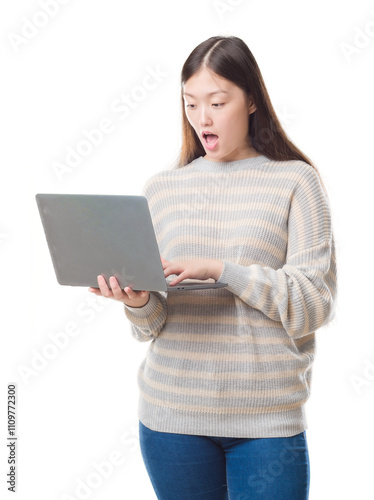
[[202, 269]]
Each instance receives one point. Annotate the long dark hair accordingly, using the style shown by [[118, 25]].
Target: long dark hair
[[230, 58]]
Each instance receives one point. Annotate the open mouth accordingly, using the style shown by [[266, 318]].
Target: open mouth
[[210, 139]]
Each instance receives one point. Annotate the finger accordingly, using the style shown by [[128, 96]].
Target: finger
[[116, 289], [164, 263], [130, 293], [179, 278], [104, 287], [171, 269], [96, 291]]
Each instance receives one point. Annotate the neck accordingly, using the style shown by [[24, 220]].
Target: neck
[[249, 152]]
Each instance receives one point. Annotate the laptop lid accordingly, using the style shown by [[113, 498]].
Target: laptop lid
[[111, 235]]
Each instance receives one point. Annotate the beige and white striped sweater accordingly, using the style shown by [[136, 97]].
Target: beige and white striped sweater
[[237, 361]]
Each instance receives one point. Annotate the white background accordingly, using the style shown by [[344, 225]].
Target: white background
[[80, 406]]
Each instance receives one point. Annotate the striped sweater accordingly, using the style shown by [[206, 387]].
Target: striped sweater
[[237, 361]]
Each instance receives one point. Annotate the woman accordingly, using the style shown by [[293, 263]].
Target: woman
[[226, 377]]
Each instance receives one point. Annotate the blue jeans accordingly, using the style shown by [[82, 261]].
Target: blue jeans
[[189, 467]]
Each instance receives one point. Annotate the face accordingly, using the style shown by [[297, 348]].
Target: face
[[217, 106]]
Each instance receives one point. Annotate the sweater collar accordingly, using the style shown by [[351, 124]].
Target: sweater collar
[[228, 166]]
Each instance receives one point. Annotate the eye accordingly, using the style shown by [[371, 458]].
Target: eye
[[218, 104], [190, 106]]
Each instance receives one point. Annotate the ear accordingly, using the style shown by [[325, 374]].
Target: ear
[[251, 106]]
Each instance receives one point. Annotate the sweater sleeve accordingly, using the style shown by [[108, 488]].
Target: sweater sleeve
[[147, 321], [301, 295]]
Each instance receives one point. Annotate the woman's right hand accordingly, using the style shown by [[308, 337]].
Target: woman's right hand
[[127, 296]]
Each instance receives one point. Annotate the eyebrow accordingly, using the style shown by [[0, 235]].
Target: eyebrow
[[210, 93]]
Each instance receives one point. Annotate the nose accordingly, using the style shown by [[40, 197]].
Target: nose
[[205, 118]]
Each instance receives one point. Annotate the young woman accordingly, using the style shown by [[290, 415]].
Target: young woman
[[228, 371]]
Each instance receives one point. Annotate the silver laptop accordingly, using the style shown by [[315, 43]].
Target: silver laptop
[[111, 235]]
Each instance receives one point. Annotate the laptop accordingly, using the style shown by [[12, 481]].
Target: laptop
[[111, 235]]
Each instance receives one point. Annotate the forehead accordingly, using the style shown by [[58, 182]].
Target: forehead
[[205, 82]]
